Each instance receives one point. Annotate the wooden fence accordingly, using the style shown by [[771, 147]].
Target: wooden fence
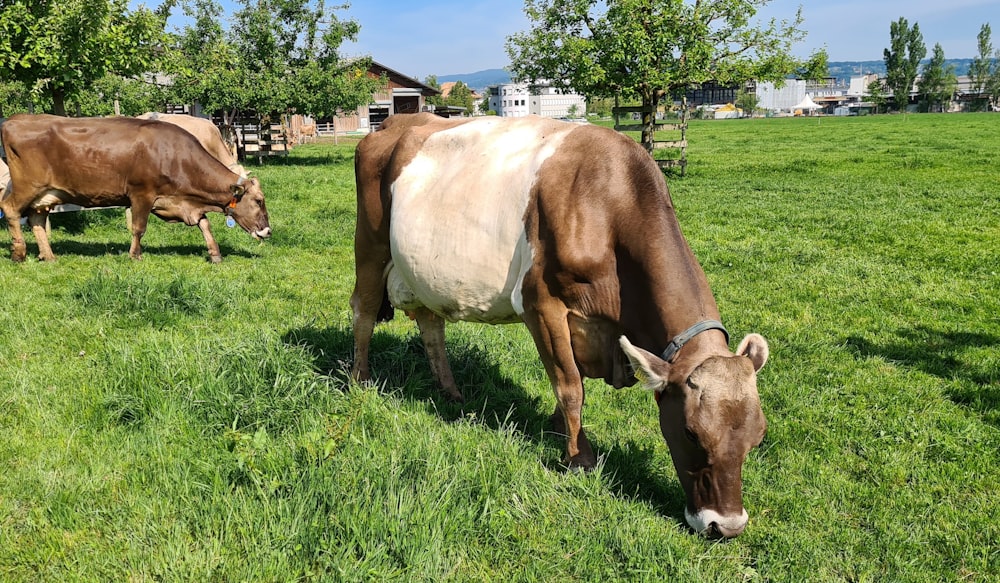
[[648, 120]]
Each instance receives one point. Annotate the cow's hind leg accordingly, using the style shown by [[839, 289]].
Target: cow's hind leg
[[552, 338], [370, 305], [432, 332], [38, 220]]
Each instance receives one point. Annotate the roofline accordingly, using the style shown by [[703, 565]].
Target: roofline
[[394, 73]]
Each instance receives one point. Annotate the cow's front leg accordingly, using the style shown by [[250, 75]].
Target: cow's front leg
[[18, 249], [432, 332], [214, 255], [552, 338], [140, 218], [38, 220]]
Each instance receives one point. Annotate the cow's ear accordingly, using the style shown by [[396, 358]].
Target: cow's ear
[[755, 348], [649, 369], [237, 190]]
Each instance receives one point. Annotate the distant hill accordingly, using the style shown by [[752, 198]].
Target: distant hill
[[842, 70], [479, 80]]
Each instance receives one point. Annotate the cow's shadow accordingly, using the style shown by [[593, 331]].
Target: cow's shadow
[[100, 249], [939, 353], [496, 401]]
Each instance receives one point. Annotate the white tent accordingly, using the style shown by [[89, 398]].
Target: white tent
[[807, 104]]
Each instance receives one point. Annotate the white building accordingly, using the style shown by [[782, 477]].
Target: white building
[[520, 99], [774, 98]]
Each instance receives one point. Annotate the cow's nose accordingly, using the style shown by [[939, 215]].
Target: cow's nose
[[264, 233], [715, 530]]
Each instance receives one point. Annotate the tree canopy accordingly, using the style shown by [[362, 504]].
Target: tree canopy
[[60, 49], [906, 50], [270, 56], [985, 69], [278, 56], [646, 49], [937, 82]]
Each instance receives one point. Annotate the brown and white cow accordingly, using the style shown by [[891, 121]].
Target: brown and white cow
[[207, 134], [569, 228], [149, 166]]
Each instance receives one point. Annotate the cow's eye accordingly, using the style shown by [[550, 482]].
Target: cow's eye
[[692, 437]]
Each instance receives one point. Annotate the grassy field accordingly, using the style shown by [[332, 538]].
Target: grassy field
[[171, 420]]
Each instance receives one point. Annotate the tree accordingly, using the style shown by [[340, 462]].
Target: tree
[[277, 57], [14, 98], [937, 82], [903, 57], [982, 68], [58, 50], [747, 101], [647, 49], [461, 96], [877, 94], [133, 96], [432, 81]]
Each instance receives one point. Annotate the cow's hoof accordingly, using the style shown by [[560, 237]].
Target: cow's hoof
[[215, 259], [454, 396], [580, 463]]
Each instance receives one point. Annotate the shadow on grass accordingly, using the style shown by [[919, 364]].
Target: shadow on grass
[[939, 353], [99, 249], [333, 158], [497, 401]]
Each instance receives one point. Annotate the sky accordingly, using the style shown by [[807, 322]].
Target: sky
[[447, 37]]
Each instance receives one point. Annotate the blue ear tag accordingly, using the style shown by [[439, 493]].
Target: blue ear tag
[[230, 222], [1, 214]]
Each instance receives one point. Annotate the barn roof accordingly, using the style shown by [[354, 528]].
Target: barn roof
[[402, 80]]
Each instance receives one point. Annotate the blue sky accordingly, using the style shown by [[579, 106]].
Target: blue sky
[[446, 37]]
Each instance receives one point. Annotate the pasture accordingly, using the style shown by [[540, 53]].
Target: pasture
[[173, 420]]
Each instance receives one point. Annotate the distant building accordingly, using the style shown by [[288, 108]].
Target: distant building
[[521, 99]]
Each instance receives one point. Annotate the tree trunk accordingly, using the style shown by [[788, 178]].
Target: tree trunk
[[650, 101], [58, 101]]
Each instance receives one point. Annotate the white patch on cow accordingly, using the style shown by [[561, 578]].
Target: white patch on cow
[[701, 521], [457, 233]]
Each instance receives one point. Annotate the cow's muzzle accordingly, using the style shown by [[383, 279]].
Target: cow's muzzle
[[262, 233], [714, 525]]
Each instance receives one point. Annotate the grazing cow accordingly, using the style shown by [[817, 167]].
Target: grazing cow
[[570, 229], [206, 133], [149, 166]]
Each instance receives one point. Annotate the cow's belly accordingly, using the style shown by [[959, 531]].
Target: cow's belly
[[457, 233], [460, 275]]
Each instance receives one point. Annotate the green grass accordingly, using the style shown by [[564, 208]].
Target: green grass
[[171, 420]]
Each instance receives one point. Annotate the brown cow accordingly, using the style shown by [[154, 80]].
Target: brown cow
[[149, 166], [569, 228]]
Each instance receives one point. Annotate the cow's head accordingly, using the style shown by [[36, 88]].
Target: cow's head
[[248, 209], [710, 416]]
